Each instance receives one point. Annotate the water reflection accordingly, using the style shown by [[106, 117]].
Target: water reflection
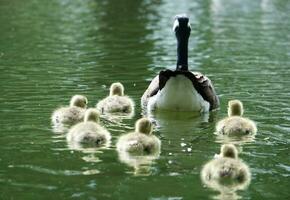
[[90, 154], [60, 128], [117, 117], [123, 32], [142, 164], [87, 148], [239, 140], [59, 172], [175, 121]]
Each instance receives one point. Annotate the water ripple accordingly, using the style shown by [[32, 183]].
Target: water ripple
[[56, 172]]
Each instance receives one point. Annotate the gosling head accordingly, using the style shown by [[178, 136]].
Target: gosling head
[[117, 89], [235, 108], [79, 101], [229, 151], [92, 114], [144, 125]]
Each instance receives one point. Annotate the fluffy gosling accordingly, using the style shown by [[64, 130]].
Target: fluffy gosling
[[226, 170], [71, 114], [235, 124], [140, 142], [89, 131], [116, 101]]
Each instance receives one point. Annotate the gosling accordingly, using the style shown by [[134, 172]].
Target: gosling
[[140, 142], [72, 114], [89, 131], [227, 169], [116, 102], [235, 124]]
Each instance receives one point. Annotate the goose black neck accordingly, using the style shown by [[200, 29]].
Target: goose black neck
[[182, 54]]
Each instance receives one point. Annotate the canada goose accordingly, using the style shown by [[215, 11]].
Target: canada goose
[[181, 89], [235, 124], [89, 131], [72, 114], [116, 101], [226, 170], [140, 142]]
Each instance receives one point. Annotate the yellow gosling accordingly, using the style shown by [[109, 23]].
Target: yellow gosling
[[72, 114], [235, 124], [89, 131], [226, 170], [116, 101], [140, 142]]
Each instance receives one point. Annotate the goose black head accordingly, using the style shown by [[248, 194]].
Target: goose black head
[[181, 27]]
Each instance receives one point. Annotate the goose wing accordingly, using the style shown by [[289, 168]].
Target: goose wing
[[152, 90], [201, 83], [204, 87]]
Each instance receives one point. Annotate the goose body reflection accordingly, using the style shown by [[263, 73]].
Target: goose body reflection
[[89, 132], [235, 124], [181, 89], [140, 142], [116, 102], [227, 171], [72, 114]]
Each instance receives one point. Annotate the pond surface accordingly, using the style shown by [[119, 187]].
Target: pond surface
[[51, 50]]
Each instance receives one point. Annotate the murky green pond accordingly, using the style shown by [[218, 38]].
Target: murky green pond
[[51, 50]]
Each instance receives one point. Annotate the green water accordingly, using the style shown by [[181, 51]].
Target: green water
[[53, 49]]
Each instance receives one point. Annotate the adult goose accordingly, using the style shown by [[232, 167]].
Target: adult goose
[[181, 89]]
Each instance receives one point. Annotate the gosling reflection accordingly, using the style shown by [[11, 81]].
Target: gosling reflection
[[117, 118], [90, 154], [66, 116], [142, 164], [236, 140], [87, 148], [226, 173], [140, 148], [235, 124]]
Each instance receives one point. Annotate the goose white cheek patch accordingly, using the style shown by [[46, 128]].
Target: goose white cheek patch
[[175, 25]]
